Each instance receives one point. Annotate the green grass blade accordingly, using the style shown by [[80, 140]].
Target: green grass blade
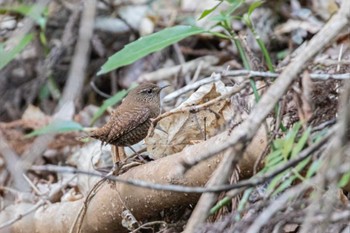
[[301, 143], [209, 11], [253, 6], [313, 169], [7, 56]]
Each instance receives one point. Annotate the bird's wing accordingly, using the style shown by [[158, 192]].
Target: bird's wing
[[127, 121]]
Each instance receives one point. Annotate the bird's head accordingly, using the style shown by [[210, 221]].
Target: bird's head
[[145, 93]]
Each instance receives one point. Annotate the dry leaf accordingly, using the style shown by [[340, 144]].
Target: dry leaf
[[292, 227], [88, 158], [180, 129]]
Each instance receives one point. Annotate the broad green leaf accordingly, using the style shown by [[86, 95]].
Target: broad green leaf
[[208, 11], [108, 103], [7, 56], [57, 126], [148, 44]]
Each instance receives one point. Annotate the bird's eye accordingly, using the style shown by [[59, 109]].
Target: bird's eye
[[149, 91]]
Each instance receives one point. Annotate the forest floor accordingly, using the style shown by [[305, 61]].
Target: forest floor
[[253, 134]]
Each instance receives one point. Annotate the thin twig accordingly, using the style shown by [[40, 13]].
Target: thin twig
[[149, 224], [192, 86], [78, 221], [252, 74]]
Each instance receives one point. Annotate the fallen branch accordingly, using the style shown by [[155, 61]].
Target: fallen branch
[[103, 213]]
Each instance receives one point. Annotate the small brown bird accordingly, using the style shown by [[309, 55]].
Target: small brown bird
[[131, 120]]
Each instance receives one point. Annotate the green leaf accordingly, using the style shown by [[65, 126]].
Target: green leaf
[[276, 180], [107, 103], [278, 144], [247, 21], [301, 143], [344, 180], [33, 11], [275, 161], [253, 6], [235, 5], [227, 14], [208, 11], [313, 169], [285, 184], [220, 17], [7, 56], [57, 126], [231, 1], [290, 139], [273, 158], [300, 167], [302, 164], [148, 44], [244, 199], [223, 202]]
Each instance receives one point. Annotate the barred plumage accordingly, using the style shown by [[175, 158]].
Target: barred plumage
[[130, 122]]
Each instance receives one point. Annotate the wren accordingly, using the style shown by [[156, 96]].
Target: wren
[[130, 122]]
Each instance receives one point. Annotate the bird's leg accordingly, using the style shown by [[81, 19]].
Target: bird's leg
[[121, 154], [118, 157]]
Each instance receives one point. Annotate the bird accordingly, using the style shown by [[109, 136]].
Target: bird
[[130, 122]]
